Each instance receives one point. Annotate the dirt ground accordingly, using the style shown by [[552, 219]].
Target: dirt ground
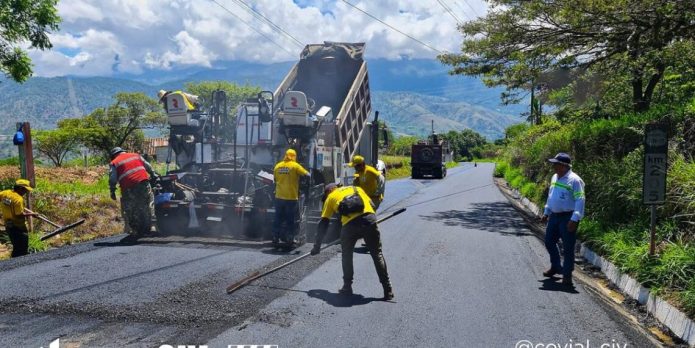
[[102, 215], [88, 175]]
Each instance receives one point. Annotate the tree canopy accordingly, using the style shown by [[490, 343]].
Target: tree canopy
[[525, 44], [235, 93], [24, 21], [120, 124], [56, 144], [464, 141]]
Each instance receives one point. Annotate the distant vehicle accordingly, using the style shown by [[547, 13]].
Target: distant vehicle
[[429, 157]]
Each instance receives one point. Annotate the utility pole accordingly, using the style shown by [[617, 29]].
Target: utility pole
[[532, 116], [26, 162]]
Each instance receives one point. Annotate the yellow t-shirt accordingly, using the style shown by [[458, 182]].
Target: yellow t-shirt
[[286, 175], [369, 181], [330, 206], [12, 208]]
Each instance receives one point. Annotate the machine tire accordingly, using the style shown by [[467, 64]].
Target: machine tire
[[415, 173]]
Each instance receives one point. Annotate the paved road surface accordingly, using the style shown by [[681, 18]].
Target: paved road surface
[[466, 272]]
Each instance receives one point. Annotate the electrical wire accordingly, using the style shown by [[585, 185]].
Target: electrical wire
[[392, 27], [463, 10], [252, 27], [448, 9], [472, 8], [259, 15]]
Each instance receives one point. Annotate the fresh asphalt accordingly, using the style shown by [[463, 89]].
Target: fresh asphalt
[[466, 272]]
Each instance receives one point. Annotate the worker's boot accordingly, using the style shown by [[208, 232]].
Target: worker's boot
[[388, 292], [346, 289]]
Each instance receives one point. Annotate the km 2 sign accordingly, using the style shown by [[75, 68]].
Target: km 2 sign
[[655, 164]]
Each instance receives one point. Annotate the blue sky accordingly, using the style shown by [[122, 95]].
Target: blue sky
[[103, 37]]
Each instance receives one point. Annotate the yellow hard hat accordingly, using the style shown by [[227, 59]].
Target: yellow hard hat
[[24, 183], [290, 154], [356, 160]]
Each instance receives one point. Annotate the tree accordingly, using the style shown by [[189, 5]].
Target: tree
[[24, 21], [235, 93], [57, 144], [401, 146], [463, 142], [522, 43], [121, 123]]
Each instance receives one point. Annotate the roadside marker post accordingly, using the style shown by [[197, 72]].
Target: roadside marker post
[[655, 168]]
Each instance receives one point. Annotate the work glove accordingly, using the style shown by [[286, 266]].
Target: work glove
[[113, 196], [316, 249]]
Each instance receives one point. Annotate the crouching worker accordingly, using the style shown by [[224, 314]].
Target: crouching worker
[[358, 220], [14, 215], [132, 173]]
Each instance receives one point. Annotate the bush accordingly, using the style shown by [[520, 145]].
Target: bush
[[608, 155], [500, 169]]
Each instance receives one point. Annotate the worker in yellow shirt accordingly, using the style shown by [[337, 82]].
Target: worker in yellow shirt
[[369, 179], [287, 173], [358, 219], [13, 214]]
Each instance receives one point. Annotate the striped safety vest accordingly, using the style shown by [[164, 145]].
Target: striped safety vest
[[130, 170]]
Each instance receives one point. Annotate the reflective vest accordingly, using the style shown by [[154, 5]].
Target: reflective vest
[[130, 170], [189, 104]]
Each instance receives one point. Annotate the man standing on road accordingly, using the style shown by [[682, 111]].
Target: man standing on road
[[132, 173], [13, 214], [356, 225], [286, 175], [369, 179], [563, 211]]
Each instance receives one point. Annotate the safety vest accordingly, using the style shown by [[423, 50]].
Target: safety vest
[[130, 170], [189, 104]]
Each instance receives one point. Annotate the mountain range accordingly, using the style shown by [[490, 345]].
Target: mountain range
[[409, 94]]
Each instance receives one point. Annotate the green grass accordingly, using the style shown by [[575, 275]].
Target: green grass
[[668, 273], [399, 166], [608, 155], [396, 166], [74, 188], [35, 243]]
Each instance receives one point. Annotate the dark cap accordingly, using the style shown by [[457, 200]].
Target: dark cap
[[561, 158], [327, 190], [115, 151]]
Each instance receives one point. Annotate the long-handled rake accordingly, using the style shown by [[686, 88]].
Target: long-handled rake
[[60, 229]]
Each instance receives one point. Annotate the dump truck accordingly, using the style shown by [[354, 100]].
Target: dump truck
[[428, 158], [223, 182]]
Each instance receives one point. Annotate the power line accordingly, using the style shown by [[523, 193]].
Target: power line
[[469, 5], [463, 10], [252, 27], [259, 15], [448, 9], [392, 27]]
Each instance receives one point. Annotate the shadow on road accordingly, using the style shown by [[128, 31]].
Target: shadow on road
[[499, 217], [340, 300], [553, 284]]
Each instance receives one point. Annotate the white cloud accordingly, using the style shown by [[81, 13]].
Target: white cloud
[[163, 34], [72, 11], [189, 52]]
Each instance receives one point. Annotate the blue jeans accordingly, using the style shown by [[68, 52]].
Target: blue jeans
[[556, 229], [285, 214]]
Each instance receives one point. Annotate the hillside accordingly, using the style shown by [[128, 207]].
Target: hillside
[[410, 113], [453, 102]]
